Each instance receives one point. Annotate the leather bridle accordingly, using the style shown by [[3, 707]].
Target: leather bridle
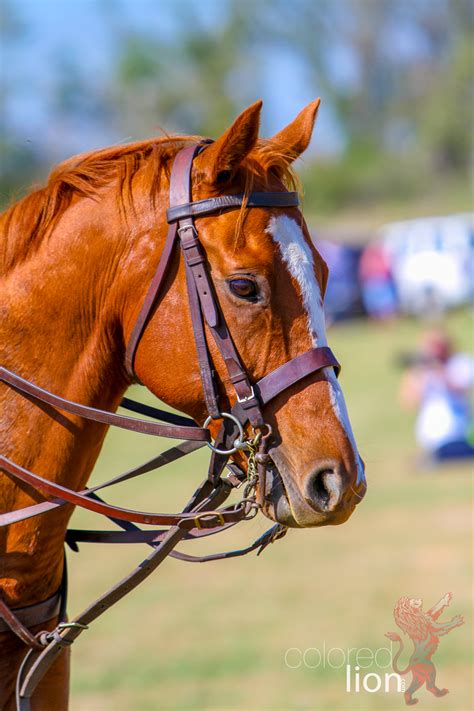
[[201, 516]]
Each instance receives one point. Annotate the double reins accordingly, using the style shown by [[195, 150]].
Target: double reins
[[204, 514]]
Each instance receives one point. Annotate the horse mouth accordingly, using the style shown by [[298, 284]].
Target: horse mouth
[[276, 504], [284, 504]]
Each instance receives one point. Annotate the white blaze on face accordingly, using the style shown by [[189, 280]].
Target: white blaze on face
[[298, 258]]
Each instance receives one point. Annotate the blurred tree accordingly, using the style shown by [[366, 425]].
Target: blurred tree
[[190, 82], [377, 62], [396, 75], [19, 162], [447, 115]]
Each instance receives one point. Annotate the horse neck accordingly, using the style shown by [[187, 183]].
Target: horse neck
[[61, 330]]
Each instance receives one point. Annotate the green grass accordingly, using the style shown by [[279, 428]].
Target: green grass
[[214, 636]]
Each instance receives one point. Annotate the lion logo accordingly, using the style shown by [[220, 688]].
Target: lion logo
[[424, 632]]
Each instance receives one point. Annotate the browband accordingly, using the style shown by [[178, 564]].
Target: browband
[[200, 208]]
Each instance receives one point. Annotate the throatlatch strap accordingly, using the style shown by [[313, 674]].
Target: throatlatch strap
[[151, 299]]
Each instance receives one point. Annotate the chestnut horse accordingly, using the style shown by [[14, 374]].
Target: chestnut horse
[[77, 257]]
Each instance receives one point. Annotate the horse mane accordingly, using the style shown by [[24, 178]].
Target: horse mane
[[27, 222]]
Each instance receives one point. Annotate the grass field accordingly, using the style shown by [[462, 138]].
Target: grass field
[[214, 636]]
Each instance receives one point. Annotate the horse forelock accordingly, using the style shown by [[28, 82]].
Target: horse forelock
[[264, 165]]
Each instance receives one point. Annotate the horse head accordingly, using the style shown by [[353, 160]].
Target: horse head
[[79, 259], [269, 280]]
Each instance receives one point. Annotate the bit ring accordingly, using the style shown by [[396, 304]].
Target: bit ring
[[239, 443]]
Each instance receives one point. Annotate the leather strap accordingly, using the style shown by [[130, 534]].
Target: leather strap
[[152, 538], [295, 370], [106, 418], [194, 256], [163, 415], [157, 462], [212, 519], [196, 266], [36, 664], [18, 620], [201, 208], [273, 534], [151, 299], [206, 368], [134, 535]]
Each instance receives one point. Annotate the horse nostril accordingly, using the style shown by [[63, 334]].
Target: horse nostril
[[324, 490]]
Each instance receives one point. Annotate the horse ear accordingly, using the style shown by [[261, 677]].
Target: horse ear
[[222, 158], [294, 139]]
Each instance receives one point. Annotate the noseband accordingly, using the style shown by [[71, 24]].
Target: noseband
[[200, 517]]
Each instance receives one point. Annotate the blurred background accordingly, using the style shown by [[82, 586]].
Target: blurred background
[[388, 200]]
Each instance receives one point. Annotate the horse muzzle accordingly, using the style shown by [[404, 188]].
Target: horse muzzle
[[325, 497]]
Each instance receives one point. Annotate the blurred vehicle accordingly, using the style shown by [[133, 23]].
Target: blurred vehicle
[[438, 383], [343, 298], [432, 262]]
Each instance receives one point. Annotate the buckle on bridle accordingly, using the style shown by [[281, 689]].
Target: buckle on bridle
[[199, 517], [251, 396], [71, 625], [187, 227]]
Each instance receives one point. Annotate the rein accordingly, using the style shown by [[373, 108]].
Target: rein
[[204, 514]]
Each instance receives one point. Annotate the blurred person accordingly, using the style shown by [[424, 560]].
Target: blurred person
[[377, 285], [438, 383], [343, 298]]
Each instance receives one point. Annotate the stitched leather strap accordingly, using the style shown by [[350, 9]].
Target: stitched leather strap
[[194, 256], [134, 535], [196, 266], [206, 368]]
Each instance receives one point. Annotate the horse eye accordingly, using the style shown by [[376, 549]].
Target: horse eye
[[243, 288]]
